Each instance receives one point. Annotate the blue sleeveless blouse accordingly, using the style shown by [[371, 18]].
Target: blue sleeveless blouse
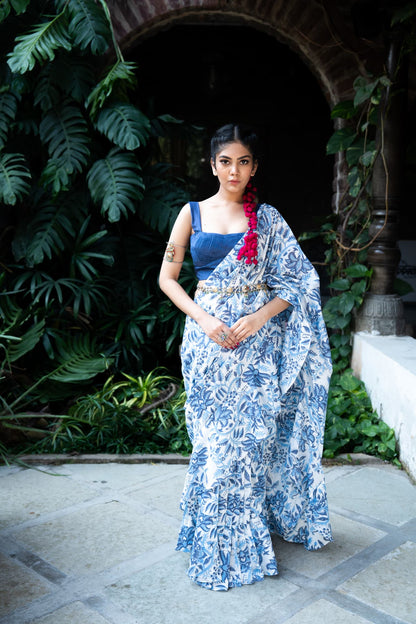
[[208, 248]]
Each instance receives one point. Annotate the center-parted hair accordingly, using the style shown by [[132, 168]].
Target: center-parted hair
[[230, 133]]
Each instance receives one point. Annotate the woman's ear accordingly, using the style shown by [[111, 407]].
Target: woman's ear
[[253, 171], [214, 171]]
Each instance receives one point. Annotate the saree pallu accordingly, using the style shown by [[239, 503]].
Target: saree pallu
[[255, 416]]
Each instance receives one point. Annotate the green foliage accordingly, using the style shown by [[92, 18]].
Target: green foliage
[[131, 415], [88, 25], [162, 201], [45, 235], [78, 361], [70, 74], [117, 79], [40, 44], [115, 183], [14, 175], [338, 311], [8, 108], [124, 125], [352, 426], [19, 6], [79, 255], [64, 131]]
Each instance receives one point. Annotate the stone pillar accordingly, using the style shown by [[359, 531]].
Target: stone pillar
[[382, 310]]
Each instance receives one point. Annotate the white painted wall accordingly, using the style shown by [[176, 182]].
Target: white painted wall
[[387, 366]]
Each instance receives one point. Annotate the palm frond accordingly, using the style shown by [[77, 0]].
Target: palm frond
[[88, 25], [39, 44], [44, 288], [65, 131], [162, 200], [124, 124], [12, 315], [86, 249], [26, 342], [45, 235], [14, 175], [89, 294], [8, 108], [115, 182], [118, 78], [79, 359]]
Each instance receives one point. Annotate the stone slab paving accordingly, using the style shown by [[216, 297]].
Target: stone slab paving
[[94, 543]]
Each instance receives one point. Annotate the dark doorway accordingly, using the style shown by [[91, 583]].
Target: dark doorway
[[211, 75]]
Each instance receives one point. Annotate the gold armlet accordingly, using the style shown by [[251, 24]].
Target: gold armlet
[[170, 252]]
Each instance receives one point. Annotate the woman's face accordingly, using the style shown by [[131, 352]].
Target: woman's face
[[234, 165]]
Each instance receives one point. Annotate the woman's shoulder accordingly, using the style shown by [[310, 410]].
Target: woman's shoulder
[[269, 211], [272, 218]]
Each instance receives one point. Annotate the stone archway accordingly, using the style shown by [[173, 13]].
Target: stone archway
[[308, 28], [315, 30]]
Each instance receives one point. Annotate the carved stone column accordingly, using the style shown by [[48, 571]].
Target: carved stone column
[[382, 310]]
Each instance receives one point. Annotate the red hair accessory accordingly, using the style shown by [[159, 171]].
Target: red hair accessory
[[249, 248]]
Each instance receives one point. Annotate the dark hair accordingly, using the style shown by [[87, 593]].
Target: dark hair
[[231, 133]]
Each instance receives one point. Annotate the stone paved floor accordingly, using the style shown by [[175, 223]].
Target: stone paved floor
[[94, 544]]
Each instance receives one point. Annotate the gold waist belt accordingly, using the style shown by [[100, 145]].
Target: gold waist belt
[[230, 290]]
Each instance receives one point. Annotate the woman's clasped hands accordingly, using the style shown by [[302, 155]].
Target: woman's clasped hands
[[231, 337]]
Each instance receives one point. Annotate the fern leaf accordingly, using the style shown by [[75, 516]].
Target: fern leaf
[[121, 72], [65, 132], [79, 360], [39, 44], [45, 235], [115, 182], [13, 178], [8, 108], [124, 125], [88, 25]]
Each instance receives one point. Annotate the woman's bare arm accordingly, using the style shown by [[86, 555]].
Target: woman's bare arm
[[168, 282]]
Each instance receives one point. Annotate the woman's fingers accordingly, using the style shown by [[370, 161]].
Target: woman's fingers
[[226, 337], [245, 327]]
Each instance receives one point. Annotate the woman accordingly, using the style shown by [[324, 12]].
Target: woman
[[256, 367]]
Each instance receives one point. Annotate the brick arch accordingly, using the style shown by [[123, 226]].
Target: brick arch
[[302, 25], [319, 36]]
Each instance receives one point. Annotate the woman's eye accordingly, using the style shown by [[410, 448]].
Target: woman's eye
[[244, 162]]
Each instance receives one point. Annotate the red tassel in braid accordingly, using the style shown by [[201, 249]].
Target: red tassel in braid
[[249, 248]]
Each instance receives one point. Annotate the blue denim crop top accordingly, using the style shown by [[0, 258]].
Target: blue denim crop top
[[208, 248]]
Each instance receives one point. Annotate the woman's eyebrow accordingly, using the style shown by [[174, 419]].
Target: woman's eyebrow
[[239, 158]]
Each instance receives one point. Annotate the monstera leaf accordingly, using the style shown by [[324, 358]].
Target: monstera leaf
[[14, 175], [88, 24], [124, 125], [8, 108], [65, 132], [116, 183]]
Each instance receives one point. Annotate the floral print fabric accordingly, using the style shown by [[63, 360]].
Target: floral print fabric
[[255, 416]]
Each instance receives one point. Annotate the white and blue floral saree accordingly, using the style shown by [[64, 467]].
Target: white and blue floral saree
[[256, 416]]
